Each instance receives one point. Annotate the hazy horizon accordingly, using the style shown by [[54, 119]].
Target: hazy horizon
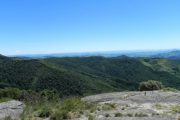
[[95, 53], [100, 51], [68, 26]]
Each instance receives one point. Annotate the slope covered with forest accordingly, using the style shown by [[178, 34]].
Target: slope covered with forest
[[86, 75]]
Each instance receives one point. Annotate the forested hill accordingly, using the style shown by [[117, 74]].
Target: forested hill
[[86, 75]]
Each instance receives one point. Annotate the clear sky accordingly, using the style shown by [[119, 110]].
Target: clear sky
[[57, 26]]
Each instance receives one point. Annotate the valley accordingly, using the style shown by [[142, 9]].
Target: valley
[[87, 75]]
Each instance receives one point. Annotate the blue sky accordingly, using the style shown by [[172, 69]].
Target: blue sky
[[58, 26]]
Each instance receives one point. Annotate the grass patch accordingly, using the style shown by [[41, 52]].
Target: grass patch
[[4, 99], [91, 117], [178, 118], [108, 106], [155, 114], [44, 112], [141, 115], [65, 109], [176, 109], [169, 89], [159, 106], [8, 118]]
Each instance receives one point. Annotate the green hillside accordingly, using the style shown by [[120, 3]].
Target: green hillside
[[33, 74], [86, 75], [126, 72]]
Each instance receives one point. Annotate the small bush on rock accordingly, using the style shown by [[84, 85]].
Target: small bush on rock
[[150, 85], [118, 115]]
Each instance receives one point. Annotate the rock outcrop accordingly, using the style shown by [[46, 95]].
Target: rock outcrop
[[151, 105], [12, 109]]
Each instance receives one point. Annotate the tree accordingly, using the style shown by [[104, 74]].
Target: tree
[[150, 85]]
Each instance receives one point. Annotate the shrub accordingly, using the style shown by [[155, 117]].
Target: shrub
[[13, 93], [44, 112], [108, 106], [34, 97], [169, 89], [59, 115], [71, 108], [118, 115], [155, 114], [72, 104], [150, 85], [31, 97], [129, 115], [50, 95], [68, 108], [107, 115], [141, 115]]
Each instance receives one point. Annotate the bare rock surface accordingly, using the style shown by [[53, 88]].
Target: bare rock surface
[[150, 105], [11, 109]]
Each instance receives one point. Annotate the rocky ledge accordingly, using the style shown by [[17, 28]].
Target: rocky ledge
[[151, 105], [12, 109]]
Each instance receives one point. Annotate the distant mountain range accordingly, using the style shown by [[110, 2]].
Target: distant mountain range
[[170, 54]]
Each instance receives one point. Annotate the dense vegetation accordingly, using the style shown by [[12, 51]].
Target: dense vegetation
[[32, 74], [86, 75], [150, 85], [46, 104]]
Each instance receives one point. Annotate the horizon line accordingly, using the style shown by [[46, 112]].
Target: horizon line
[[101, 51]]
